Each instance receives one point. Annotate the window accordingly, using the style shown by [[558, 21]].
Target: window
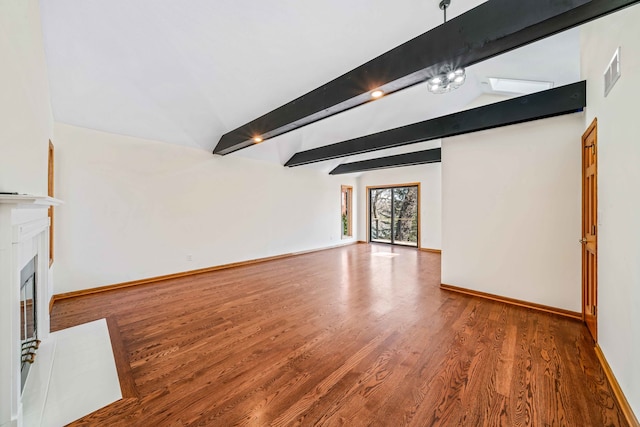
[[346, 217], [394, 214]]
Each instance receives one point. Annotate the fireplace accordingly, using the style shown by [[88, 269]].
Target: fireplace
[[28, 318], [25, 291]]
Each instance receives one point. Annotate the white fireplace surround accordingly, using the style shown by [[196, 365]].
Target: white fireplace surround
[[24, 233]]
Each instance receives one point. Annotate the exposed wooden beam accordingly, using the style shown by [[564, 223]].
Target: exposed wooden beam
[[549, 103], [490, 29], [399, 160]]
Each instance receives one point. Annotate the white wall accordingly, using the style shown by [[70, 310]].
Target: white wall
[[511, 211], [618, 191], [136, 208], [25, 109], [430, 198]]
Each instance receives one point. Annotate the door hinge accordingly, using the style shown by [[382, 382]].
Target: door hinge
[[593, 148]]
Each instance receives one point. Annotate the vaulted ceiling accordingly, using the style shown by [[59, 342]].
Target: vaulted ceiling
[[188, 72]]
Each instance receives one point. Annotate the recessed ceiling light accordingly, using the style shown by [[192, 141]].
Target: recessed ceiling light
[[518, 86], [377, 94], [257, 139]]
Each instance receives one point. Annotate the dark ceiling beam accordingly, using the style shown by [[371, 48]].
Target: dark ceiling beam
[[492, 28], [549, 103], [407, 159]]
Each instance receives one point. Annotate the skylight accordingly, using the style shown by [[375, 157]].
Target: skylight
[[518, 86]]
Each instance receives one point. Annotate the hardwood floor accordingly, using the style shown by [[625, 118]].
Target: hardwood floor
[[360, 335]]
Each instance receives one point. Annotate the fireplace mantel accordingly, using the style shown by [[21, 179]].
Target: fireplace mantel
[[28, 201], [24, 226]]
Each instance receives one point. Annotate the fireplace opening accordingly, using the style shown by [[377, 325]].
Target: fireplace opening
[[28, 318]]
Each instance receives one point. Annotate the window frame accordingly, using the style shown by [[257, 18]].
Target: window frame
[[348, 200], [392, 186]]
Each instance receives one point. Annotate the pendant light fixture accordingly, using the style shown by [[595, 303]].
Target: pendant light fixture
[[451, 78]]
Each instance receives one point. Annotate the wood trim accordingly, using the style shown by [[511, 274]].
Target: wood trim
[[120, 356], [51, 301], [623, 403], [367, 213], [593, 127], [50, 193], [410, 184], [149, 280], [434, 251], [532, 305]]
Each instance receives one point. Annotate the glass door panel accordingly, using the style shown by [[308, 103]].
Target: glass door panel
[[380, 215], [405, 216], [393, 215]]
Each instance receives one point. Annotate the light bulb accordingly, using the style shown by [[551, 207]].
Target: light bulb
[[377, 94], [257, 139]]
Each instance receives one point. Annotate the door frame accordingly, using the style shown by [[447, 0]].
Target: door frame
[[368, 213], [593, 127], [50, 193]]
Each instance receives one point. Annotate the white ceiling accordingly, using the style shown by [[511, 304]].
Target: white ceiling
[[188, 72]]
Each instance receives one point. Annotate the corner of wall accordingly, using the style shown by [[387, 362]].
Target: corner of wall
[[25, 104], [618, 198]]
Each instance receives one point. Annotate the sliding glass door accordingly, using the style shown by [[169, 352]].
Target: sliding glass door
[[393, 215]]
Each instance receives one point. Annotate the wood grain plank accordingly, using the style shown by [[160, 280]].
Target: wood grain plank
[[123, 367], [340, 337]]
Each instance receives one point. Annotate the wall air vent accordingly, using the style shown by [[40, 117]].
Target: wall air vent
[[612, 73]]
